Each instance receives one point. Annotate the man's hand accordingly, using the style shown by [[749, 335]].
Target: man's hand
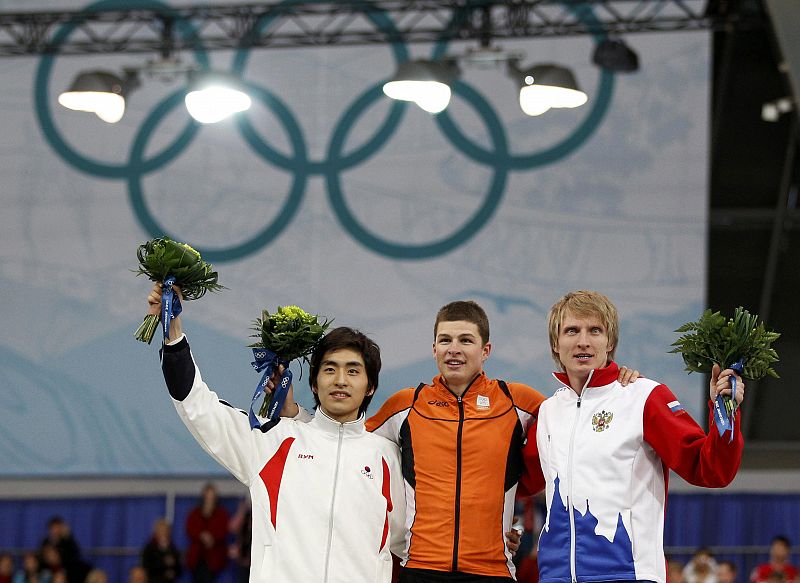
[[627, 375], [721, 384], [290, 408], [513, 537], [154, 308]]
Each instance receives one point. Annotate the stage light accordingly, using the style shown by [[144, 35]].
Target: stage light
[[547, 86], [426, 83], [99, 92], [213, 97]]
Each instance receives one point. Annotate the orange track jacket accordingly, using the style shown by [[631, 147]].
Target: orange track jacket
[[461, 459]]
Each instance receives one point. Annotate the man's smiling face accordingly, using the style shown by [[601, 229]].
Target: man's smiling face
[[342, 384], [459, 353]]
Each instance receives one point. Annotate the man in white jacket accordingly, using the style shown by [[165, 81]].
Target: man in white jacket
[[603, 453], [327, 496]]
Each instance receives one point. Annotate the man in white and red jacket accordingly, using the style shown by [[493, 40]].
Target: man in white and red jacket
[[603, 453], [328, 500]]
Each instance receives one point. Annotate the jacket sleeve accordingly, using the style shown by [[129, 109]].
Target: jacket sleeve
[[532, 481], [397, 516], [220, 429], [700, 459], [389, 418]]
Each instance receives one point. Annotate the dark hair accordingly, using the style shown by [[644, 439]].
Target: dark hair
[[780, 538], [467, 311], [731, 565], [348, 338]]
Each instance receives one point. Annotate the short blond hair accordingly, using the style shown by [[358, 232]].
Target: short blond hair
[[583, 303]]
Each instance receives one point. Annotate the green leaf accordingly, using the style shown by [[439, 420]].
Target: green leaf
[[716, 339], [290, 332]]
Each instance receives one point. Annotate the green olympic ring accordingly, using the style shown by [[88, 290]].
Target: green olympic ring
[[556, 152], [266, 235], [498, 157], [441, 246]]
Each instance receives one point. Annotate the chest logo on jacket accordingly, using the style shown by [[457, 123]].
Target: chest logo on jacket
[[367, 472], [601, 421]]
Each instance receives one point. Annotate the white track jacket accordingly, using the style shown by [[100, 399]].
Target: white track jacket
[[328, 501], [604, 458]]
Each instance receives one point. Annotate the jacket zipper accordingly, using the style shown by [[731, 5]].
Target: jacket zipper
[[333, 500], [570, 508], [457, 513]]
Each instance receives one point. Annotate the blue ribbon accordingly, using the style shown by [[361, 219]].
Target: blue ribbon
[[267, 361], [724, 407], [170, 305]]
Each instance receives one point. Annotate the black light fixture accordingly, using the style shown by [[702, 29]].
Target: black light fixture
[[615, 55], [101, 93]]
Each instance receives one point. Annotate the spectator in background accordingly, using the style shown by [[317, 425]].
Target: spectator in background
[[60, 536], [6, 568], [31, 571], [779, 551], [96, 576], [137, 574], [242, 529], [674, 571], [207, 528], [51, 560], [60, 577], [701, 568], [161, 560], [726, 572]]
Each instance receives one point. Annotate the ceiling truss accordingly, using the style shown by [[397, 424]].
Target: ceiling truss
[[313, 24]]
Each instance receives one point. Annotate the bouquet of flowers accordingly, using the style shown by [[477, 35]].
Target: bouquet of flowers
[[288, 334], [740, 343], [171, 262]]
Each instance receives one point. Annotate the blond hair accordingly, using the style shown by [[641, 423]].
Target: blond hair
[[583, 303]]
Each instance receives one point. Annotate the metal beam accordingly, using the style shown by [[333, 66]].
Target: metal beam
[[348, 22], [771, 269]]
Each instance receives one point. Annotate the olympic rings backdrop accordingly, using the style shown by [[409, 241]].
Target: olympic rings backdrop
[[327, 195]]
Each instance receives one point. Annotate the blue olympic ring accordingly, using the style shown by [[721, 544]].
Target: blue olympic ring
[[498, 157], [383, 23], [42, 98]]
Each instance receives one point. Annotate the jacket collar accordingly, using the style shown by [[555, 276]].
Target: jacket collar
[[599, 377], [479, 381], [330, 426]]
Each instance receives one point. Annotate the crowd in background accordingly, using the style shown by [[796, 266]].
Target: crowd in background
[[702, 566], [220, 542], [216, 539]]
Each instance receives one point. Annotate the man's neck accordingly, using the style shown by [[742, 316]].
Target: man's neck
[[459, 390], [577, 382]]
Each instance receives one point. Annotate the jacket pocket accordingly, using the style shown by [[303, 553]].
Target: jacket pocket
[[383, 572], [265, 563]]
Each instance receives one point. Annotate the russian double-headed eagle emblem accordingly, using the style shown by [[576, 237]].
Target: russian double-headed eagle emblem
[[601, 421]]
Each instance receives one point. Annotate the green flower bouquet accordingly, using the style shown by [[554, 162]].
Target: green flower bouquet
[[170, 262], [740, 343], [288, 334]]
